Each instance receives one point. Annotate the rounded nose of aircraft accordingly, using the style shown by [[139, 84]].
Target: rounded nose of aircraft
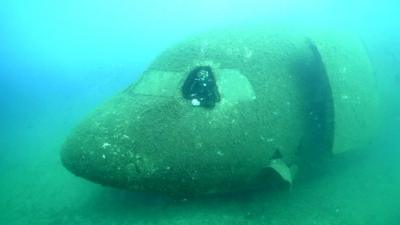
[[161, 144], [116, 144]]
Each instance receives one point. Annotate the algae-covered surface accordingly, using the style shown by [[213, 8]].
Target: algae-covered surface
[[150, 138]]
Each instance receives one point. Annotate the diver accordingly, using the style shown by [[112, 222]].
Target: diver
[[200, 87]]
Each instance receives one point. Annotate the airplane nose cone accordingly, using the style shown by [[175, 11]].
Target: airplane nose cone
[[159, 144], [116, 145]]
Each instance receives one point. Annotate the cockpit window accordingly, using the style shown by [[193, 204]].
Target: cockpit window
[[200, 87]]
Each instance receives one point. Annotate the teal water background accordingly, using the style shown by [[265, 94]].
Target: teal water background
[[59, 59]]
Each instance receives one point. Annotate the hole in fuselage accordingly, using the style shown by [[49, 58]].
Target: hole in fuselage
[[201, 88]]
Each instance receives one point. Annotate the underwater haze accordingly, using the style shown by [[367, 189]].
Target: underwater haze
[[60, 59]]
